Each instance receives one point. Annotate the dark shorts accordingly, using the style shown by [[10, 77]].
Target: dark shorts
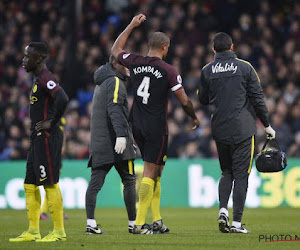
[[153, 147], [237, 159], [44, 158]]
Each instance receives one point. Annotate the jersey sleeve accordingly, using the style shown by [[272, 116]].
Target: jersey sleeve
[[127, 59], [175, 80], [116, 95], [203, 90], [256, 97], [49, 83]]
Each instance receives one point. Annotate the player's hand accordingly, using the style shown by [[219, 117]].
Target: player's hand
[[43, 125], [120, 145], [196, 124], [137, 20], [270, 132]]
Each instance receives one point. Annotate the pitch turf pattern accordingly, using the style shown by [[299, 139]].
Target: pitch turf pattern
[[190, 229]]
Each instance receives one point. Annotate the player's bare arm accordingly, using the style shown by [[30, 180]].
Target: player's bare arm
[[119, 44], [187, 106]]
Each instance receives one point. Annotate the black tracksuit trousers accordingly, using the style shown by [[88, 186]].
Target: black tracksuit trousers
[[236, 162], [97, 180]]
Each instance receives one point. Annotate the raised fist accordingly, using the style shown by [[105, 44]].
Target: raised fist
[[137, 20]]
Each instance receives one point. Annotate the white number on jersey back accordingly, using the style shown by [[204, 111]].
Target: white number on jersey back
[[142, 90]]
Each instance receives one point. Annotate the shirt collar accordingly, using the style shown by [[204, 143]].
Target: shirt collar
[[225, 55]]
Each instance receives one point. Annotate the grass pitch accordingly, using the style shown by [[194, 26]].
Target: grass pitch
[[190, 229]]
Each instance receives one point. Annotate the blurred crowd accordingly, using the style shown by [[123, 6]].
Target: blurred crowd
[[265, 33]]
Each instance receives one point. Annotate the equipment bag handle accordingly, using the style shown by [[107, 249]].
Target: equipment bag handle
[[276, 143]]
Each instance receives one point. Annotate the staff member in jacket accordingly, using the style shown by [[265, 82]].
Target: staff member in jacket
[[111, 140], [231, 88]]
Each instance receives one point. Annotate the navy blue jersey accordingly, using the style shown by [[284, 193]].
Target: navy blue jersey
[[152, 78], [41, 101]]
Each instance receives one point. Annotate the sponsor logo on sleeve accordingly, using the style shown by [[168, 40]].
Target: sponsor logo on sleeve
[[51, 85], [126, 55], [179, 79]]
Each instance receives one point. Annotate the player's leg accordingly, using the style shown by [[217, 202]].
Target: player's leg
[[97, 180], [154, 151], [126, 172], [55, 203], [49, 177], [151, 171], [242, 164], [60, 169], [44, 209], [161, 160], [225, 185], [155, 204], [158, 225], [33, 203]]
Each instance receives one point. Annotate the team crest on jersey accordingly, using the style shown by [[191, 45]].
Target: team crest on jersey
[[51, 85], [179, 79], [125, 56], [34, 89]]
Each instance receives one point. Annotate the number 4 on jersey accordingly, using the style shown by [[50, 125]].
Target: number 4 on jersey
[[142, 90]]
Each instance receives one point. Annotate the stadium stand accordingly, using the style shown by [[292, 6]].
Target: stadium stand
[[265, 33]]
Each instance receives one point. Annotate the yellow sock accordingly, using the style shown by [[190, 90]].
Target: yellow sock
[[33, 204], [44, 208], [145, 198], [55, 205], [155, 204]]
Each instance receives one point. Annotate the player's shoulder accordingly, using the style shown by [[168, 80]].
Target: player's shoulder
[[46, 75], [243, 63], [114, 82], [48, 79], [127, 56], [124, 54], [168, 67], [174, 77], [247, 67], [206, 67]]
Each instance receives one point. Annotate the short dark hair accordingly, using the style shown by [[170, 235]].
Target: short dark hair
[[40, 48], [222, 42], [158, 39]]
